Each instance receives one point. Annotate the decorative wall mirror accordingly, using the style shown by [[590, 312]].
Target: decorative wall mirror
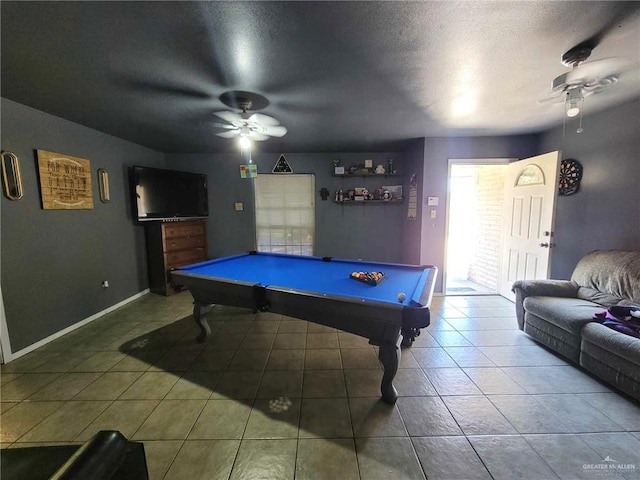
[[103, 184], [11, 176]]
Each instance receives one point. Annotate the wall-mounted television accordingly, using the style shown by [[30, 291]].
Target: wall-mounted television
[[168, 195]]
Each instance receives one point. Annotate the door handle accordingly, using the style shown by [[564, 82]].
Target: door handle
[[547, 245]]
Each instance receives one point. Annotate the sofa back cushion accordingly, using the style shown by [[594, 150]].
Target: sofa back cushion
[[608, 276]]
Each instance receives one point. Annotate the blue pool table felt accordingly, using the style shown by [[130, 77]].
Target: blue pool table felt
[[314, 275]]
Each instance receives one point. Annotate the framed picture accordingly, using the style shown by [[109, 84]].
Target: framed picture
[[338, 170], [65, 181], [249, 171], [395, 190]]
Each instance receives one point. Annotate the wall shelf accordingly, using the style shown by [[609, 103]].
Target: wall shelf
[[354, 175], [375, 187], [363, 202]]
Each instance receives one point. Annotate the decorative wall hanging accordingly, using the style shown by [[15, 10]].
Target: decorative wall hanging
[[570, 176], [324, 193], [249, 171], [65, 181], [282, 166], [412, 207], [103, 185], [11, 176]]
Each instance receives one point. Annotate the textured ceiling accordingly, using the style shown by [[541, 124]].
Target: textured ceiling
[[339, 75]]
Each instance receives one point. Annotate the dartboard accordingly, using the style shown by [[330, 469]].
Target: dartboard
[[570, 176]]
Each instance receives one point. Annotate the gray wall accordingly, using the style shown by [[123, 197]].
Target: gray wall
[[605, 213], [53, 261], [373, 232], [437, 152]]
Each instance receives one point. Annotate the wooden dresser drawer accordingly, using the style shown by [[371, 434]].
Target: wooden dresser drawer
[[185, 257], [183, 243], [188, 230]]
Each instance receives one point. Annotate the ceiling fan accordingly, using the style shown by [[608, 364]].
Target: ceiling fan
[[246, 124], [584, 78]]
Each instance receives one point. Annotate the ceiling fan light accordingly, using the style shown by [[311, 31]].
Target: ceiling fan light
[[573, 111], [573, 104], [244, 142]]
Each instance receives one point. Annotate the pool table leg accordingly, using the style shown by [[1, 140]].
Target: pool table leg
[[199, 315], [409, 334], [389, 356]]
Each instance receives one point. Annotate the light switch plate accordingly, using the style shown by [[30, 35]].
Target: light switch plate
[[239, 206], [433, 201]]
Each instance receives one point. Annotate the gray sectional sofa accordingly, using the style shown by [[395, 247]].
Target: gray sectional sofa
[[560, 314]]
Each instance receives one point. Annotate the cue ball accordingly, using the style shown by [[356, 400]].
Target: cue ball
[[401, 297]]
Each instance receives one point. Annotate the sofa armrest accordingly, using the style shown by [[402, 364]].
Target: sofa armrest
[[540, 288], [546, 288]]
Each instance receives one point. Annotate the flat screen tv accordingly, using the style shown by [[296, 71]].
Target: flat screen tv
[[165, 195]]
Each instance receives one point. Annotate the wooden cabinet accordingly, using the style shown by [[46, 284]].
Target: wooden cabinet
[[173, 245]]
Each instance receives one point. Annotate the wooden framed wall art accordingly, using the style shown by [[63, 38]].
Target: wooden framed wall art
[[65, 181]]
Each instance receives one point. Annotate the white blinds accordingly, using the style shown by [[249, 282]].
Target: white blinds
[[285, 213]]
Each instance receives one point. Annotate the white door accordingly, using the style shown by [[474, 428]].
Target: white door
[[531, 186]]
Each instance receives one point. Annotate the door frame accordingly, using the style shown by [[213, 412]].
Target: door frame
[[473, 162], [5, 343]]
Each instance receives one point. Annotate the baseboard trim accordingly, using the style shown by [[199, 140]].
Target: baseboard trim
[[9, 356]]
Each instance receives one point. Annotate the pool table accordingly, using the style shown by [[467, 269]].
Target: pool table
[[320, 290]]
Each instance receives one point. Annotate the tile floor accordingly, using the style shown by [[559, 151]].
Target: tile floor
[[270, 397], [463, 286]]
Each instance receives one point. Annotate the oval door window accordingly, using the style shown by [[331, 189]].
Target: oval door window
[[530, 175]]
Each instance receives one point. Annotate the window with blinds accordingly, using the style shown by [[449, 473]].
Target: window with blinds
[[285, 213]]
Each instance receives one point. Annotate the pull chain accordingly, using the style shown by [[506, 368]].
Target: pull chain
[[580, 129]]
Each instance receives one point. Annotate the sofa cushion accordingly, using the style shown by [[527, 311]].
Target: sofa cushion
[[601, 298], [627, 303], [620, 346], [565, 343], [612, 356], [570, 314], [609, 276]]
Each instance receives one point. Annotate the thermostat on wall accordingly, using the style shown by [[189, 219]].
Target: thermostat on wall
[[239, 206]]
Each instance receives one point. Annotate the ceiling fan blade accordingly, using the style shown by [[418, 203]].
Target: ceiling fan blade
[[590, 77], [225, 125], [258, 137], [555, 95], [228, 134], [275, 131], [263, 119], [231, 117], [592, 72]]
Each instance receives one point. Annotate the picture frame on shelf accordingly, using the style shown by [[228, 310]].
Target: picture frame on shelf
[[338, 170], [394, 190]]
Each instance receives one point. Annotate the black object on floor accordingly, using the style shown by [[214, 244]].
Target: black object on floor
[[107, 456]]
